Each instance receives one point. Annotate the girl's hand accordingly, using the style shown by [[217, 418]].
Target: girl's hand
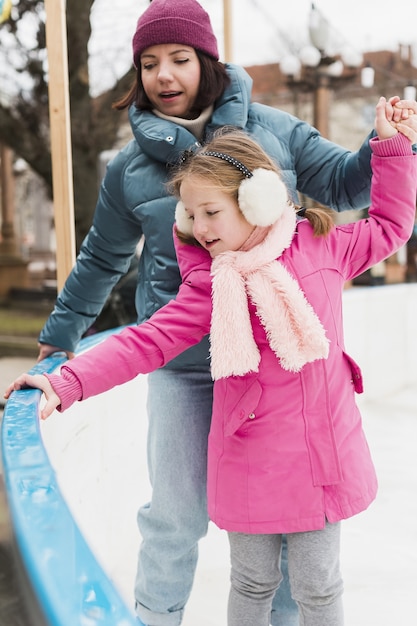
[[38, 381], [384, 125], [394, 116]]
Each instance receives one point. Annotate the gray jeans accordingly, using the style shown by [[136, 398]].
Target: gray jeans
[[313, 564]]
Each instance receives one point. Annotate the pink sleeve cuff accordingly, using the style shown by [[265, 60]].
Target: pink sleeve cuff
[[67, 386], [396, 146]]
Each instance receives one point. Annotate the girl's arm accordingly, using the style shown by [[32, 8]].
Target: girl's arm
[[177, 326]]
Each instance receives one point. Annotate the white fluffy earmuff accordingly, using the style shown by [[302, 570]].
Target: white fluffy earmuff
[[262, 197], [182, 219]]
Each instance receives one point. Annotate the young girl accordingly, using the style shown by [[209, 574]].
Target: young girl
[[287, 453]]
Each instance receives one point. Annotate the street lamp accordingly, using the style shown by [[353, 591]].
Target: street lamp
[[410, 92], [316, 70]]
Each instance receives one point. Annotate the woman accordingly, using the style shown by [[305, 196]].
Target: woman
[[181, 95]]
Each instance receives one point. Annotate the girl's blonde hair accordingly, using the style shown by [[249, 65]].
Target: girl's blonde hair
[[223, 175]]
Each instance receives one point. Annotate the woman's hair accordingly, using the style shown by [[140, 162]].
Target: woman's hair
[[214, 80], [221, 174]]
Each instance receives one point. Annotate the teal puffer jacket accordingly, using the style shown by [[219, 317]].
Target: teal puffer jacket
[[133, 201]]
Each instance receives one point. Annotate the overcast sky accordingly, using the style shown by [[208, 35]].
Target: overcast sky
[[265, 30]]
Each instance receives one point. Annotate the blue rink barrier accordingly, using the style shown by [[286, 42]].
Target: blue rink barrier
[[62, 577]]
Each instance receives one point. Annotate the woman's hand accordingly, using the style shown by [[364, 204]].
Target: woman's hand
[[45, 350], [404, 118]]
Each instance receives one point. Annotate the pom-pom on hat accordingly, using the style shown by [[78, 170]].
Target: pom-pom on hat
[[174, 21]]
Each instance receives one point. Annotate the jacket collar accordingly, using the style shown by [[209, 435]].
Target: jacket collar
[[164, 141]]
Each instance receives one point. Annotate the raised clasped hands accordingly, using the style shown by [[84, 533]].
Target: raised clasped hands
[[396, 115]]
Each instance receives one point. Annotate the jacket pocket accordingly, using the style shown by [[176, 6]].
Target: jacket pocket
[[357, 379], [240, 406]]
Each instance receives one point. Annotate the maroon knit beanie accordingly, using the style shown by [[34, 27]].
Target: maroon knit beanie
[[174, 21]]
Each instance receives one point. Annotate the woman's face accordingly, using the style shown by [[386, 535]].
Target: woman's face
[[171, 78]]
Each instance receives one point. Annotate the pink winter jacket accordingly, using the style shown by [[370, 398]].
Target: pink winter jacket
[[286, 450]]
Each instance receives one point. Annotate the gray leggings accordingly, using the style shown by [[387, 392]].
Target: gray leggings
[[313, 564]]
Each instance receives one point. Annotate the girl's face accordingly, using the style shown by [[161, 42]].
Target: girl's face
[[171, 78], [218, 224]]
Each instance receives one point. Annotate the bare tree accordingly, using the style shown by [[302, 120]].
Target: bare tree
[[24, 116]]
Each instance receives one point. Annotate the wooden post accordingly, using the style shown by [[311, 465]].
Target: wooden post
[[59, 115], [13, 269], [227, 30], [322, 96], [8, 244]]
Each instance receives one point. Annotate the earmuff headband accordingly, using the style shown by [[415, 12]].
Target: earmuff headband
[[229, 159], [262, 195]]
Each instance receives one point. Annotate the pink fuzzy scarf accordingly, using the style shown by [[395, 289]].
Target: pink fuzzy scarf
[[293, 329]]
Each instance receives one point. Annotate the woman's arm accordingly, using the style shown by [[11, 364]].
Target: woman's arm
[[103, 258], [356, 247], [330, 174]]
